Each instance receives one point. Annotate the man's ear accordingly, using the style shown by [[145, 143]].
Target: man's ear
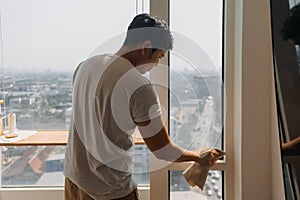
[[145, 45]]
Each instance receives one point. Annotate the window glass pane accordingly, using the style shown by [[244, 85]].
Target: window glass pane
[[196, 102], [141, 165], [32, 165], [196, 74], [42, 44], [43, 165], [213, 189]]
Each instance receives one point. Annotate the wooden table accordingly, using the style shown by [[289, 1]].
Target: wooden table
[[42, 138], [52, 138]]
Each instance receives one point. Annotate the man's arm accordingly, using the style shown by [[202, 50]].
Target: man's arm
[[292, 147], [158, 141]]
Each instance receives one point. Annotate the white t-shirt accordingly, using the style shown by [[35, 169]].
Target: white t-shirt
[[109, 96]]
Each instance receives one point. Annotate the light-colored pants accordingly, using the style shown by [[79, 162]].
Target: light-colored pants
[[73, 192]]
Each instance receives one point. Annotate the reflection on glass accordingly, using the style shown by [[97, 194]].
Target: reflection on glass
[[288, 181], [213, 189], [298, 57], [286, 34]]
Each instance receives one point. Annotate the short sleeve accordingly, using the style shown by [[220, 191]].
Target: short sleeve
[[144, 104]]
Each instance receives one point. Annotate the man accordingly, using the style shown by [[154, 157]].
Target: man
[[291, 31], [291, 27], [110, 99]]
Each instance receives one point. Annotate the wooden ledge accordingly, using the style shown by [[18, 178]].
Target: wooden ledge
[[52, 138]]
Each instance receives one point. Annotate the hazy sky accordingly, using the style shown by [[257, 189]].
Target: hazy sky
[[58, 34]]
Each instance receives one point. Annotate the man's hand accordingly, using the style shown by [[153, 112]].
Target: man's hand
[[209, 156]]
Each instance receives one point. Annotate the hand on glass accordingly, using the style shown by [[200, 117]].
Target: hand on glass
[[209, 156]]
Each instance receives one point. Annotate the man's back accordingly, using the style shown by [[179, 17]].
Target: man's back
[[89, 161], [108, 93]]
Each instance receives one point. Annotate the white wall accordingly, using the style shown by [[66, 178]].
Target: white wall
[[256, 157]]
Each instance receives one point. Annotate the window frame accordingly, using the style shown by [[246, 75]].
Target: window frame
[[244, 173], [159, 179]]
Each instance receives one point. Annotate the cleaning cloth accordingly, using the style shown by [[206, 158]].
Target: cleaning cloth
[[196, 173]]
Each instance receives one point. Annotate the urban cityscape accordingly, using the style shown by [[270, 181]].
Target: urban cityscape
[[43, 101]]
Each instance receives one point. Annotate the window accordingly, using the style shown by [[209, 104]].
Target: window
[[179, 189], [42, 43], [194, 99], [196, 88]]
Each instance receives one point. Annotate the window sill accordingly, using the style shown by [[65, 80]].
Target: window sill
[[41, 138], [53, 138]]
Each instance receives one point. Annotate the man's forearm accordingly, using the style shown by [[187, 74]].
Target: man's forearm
[[174, 153]]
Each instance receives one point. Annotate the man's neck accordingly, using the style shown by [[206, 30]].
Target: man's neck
[[128, 54]]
